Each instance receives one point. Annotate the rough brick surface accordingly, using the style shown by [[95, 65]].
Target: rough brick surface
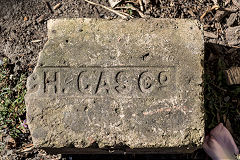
[[134, 84]]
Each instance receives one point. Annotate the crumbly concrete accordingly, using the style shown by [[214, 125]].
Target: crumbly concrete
[[109, 83]]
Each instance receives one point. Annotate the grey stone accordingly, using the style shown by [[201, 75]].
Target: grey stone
[[134, 85]]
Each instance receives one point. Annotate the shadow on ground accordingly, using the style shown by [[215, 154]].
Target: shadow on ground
[[222, 101]]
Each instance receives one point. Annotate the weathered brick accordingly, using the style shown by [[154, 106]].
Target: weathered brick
[[131, 84]]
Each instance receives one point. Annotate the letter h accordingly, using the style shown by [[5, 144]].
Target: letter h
[[51, 82]]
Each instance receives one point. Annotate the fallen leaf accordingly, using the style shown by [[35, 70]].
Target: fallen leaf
[[233, 75], [113, 3]]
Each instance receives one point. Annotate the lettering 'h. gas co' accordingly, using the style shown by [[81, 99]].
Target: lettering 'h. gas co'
[[97, 81]]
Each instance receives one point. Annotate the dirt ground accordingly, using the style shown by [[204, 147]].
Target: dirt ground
[[23, 34]]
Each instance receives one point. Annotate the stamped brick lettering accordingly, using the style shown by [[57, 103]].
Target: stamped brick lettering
[[132, 86]]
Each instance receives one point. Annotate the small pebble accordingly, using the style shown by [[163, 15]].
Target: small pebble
[[1, 62], [11, 77]]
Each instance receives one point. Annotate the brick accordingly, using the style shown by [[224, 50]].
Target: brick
[[129, 85]]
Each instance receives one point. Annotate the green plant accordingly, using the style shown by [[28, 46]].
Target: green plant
[[12, 107], [129, 10]]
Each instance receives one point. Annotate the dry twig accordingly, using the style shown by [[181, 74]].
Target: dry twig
[[36, 41], [41, 18], [26, 148], [233, 10], [191, 13], [216, 7], [48, 6], [218, 87], [210, 35], [141, 5], [112, 10], [57, 6]]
